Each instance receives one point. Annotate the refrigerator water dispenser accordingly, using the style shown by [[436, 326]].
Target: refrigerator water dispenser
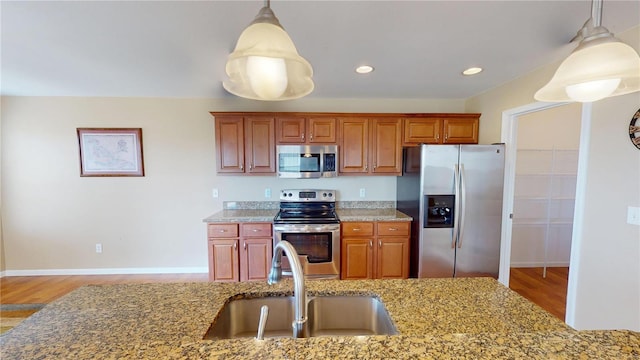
[[439, 212]]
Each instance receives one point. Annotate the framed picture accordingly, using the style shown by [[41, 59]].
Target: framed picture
[[110, 152]]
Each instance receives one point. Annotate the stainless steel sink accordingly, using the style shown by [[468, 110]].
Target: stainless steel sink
[[328, 316], [349, 316]]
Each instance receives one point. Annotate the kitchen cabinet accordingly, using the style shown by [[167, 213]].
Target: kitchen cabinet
[[239, 252], [441, 129], [375, 250], [245, 145], [303, 130], [370, 146]]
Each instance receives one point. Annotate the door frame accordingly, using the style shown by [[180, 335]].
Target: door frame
[[509, 137]]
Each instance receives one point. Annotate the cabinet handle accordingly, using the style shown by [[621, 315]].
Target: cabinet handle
[[356, 229], [223, 230], [371, 243], [244, 246], [366, 167], [393, 229], [302, 136], [446, 136], [242, 166], [380, 244], [437, 137], [311, 136], [251, 166], [255, 230], [235, 246]]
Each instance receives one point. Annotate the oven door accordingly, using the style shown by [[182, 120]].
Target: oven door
[[318, 246]]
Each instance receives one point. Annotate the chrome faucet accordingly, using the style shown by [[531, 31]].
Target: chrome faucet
[[299, 291]]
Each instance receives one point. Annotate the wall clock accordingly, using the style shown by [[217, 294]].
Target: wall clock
[[634, 129]]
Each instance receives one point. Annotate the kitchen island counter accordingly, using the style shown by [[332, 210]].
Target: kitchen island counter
[[436, 318]]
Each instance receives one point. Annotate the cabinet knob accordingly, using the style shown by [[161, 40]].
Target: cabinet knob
[[302, 136], [311, 136], [371, 243], [235, 246], [223, 230], [241, 166], [244, 246], [366, 167], [446, 137], [380, 244], [437, 136]]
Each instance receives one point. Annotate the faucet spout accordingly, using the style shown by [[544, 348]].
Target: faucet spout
[[299, 292]]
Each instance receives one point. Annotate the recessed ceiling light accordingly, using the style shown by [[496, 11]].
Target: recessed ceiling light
[[472, 71], [364, 69]]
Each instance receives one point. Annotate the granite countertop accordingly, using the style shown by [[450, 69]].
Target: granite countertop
[[436, 318], [267, 215]]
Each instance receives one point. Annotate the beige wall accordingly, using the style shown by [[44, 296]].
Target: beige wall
[[607, 266], [53, 218]]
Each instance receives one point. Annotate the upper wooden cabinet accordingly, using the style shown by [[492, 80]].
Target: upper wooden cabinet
[[245, 145], [369, 143], [370, 146], [300, 130], [441, 129]]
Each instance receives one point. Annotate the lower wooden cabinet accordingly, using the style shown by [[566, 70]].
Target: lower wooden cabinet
[[239, 252], [375, 250]]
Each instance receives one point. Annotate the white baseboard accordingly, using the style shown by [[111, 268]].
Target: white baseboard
[[113, 271], [539, 264], [2, 274]]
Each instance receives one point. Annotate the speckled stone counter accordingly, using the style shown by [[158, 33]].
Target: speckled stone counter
[[436, 318], [371, 215], [242, 215]]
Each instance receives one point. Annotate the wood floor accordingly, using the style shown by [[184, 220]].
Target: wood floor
[[550, 293]]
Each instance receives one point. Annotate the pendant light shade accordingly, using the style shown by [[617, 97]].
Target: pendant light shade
[[265, 64], [601, 66]]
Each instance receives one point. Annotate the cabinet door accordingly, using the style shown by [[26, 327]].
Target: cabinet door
[[230, 144], [255, 260], [260, 148], [290, 130], [354, 144], [461, 131], [321, 130], [223, 260], [357, 259], [386, 147], [421, 131], [392, 260]]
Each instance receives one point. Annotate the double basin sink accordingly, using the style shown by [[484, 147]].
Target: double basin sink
[[327, 316]]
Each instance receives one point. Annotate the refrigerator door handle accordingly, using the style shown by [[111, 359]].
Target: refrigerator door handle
[[456, 189], [463, 201]]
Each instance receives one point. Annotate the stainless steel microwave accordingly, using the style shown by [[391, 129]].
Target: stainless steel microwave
[[307, 161]]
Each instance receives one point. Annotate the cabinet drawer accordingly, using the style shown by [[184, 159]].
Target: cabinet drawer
[[398, 228], [222, 230], [357, 229], [256, 230]]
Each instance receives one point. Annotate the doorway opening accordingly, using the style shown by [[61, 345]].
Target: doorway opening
[[543, 176]]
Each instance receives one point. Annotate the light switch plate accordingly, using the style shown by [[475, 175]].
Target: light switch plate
[[362, 192], [633, 215], [214, 193]]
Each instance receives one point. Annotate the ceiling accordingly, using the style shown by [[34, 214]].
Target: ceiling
[[179, 48]]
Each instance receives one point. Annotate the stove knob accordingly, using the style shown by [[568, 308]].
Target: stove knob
[[324, 194], [290, 194], [330, 195]]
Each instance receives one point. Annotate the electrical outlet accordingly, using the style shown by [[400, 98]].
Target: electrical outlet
[[99, 248], [215, 193], [633, 215], [267, 193], [362, 192]]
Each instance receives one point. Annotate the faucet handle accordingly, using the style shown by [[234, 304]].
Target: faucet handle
[[264, 312]]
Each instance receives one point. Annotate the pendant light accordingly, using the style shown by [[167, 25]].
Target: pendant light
[[601, 66], [265, 64]]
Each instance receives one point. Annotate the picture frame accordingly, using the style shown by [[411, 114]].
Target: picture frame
[[110, 151]]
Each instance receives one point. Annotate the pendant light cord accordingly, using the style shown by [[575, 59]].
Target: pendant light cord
[[596, 12]]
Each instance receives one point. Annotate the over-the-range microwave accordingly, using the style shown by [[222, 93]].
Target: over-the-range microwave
[[307, 161]]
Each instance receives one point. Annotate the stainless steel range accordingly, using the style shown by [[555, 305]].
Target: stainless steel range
[[307, 219]]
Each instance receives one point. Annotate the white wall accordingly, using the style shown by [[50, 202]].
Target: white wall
[[607, 267], [52, 218]]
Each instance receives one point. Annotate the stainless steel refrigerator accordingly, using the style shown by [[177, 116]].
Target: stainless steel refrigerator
[[454, 194]]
